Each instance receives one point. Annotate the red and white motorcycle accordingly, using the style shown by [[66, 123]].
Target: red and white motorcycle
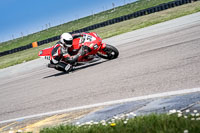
[[94, 47]]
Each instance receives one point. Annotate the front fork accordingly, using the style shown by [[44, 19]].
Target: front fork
[[103, 46]]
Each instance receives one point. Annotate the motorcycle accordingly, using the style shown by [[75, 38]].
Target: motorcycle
[[94, 47]]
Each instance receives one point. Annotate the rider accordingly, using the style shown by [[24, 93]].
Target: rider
[[60, 52]]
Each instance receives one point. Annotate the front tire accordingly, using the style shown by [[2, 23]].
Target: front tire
[[109, 52]]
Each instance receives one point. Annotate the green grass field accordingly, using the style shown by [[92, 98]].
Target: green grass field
[[164, 123], [81, 23], [108, 31]]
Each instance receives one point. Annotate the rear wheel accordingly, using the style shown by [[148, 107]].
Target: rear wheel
[[109, 52]]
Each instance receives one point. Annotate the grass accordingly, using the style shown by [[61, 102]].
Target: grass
[[148, 20], [154, 123], [23, 56], [110, 30], [81, 23]]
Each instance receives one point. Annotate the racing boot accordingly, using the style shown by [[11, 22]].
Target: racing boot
[[51, 65]]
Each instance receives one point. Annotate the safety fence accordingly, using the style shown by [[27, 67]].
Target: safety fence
[[143, 12]]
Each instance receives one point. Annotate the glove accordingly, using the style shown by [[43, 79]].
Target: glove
[[82, 51]]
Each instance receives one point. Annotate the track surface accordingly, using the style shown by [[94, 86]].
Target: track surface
[[155, 63]]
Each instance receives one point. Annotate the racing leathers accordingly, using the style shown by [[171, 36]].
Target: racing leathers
[[60, 53]]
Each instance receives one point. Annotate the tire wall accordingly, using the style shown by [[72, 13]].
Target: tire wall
[[143, 12]]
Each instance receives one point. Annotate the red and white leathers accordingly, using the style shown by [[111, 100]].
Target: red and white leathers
[[61, 52]]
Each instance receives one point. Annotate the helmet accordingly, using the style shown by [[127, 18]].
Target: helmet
[[66, 39]]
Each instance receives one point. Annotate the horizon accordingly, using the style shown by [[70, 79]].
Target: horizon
[[11, 31]]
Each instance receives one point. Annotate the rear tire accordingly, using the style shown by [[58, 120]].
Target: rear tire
[[111, 52]]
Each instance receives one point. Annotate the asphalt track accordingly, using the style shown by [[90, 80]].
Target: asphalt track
[[157, 59]]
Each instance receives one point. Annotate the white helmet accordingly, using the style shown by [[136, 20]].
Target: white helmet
[[66, 39]]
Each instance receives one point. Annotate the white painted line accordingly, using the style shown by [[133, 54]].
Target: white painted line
[[165, 94]]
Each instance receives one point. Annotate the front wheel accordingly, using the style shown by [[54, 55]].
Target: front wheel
[[109, 52]]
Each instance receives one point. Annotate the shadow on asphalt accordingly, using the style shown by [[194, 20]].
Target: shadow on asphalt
[[77, 68]]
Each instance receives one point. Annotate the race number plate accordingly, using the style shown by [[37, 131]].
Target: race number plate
[[47, 57]]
